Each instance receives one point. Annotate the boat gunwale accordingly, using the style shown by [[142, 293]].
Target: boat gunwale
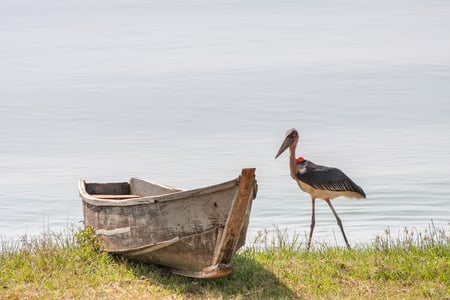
[[92, 200]]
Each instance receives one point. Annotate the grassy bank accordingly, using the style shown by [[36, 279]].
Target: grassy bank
[[69, 265]]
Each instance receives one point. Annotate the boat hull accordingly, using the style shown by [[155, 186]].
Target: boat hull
[[194, 233]]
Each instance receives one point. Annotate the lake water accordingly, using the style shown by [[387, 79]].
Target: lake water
[[187, 93]]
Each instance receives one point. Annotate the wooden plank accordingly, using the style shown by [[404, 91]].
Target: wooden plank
[[111, 188], [116, 197], [148, 188], [233, 227]]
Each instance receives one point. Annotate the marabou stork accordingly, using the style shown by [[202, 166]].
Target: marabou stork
[[319, 181]]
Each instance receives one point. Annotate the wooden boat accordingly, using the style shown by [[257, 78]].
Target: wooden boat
[[195, 233]]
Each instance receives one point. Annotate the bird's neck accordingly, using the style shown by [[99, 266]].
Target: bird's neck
[[293, 162]]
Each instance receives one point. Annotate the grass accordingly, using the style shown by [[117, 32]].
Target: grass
[[69, 265]]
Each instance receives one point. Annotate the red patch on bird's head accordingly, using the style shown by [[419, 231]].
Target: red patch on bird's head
[[300, 159]]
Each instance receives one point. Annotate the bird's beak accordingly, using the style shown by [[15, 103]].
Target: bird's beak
[[286, 143]]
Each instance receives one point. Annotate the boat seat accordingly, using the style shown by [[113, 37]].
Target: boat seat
[[116, 197]]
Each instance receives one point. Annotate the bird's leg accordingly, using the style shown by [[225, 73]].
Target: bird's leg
[[313, 222], [339, 222]]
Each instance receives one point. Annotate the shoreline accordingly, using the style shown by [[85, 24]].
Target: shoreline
[[67, 265]]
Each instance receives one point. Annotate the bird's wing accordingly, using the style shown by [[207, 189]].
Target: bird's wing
[[327, 178]]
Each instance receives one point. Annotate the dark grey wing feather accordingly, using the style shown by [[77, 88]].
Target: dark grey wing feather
[[327, 178]]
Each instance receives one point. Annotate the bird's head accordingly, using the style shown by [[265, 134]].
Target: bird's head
[[290, 139]]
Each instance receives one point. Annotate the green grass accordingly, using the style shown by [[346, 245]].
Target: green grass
[[69, 265]]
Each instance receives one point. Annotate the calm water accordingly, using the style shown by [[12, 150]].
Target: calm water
[[188, 92]]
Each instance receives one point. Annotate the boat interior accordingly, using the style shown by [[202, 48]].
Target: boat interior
[[135, 188]]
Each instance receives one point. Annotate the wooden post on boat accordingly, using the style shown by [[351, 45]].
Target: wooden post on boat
[[232, 230]]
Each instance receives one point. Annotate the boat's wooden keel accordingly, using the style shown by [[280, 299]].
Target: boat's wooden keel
[[209, 272]]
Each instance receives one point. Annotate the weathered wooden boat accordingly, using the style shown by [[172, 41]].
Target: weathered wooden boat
[[195, 233]]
